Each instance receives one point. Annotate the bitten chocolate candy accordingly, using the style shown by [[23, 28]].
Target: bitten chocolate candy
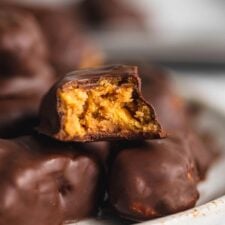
[[152, 179], [98, 104], [45, 183]]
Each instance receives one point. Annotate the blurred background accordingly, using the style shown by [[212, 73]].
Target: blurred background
[[188, 37]]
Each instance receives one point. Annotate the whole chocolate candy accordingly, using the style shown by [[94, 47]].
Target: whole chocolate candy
[[20, 37], [98, 104], [18, 116], [70, 48], [24, 69], [152, 179], [46, 183]]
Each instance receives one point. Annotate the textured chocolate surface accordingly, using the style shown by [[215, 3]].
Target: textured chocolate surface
[[52, 121], [152, 179], [46, 183]]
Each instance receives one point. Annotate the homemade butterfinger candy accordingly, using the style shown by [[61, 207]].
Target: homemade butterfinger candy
[[20, 38], [43, 182], [70, 49], [170, 108], [98, 104], [152, 179], [110, 14], [24, 69]]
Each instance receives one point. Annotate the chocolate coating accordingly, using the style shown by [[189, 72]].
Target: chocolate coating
[[34, 79], [20, 38], [24, 70], [69, 49], [200, 151], [18, 116], [170, 108], [152, 179], [46, 183], [101, 149], [52, 119]]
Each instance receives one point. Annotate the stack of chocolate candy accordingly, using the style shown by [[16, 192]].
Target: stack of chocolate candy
[[97, 135]]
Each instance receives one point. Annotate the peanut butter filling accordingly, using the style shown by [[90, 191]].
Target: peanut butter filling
[[105, 108]]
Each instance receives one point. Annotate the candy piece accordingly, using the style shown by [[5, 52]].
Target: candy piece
[[44, 182], [98, 104], [24, 69], [169, 107], [152, 179]]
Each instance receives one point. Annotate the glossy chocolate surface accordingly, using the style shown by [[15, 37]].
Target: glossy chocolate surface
[[152, 179], [44, 182]]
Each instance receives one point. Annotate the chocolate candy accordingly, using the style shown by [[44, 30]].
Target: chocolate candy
[[152, 179], [24, 70], [98, 104], [70, 49], [170, 108], [18, 116], [48, 183], [20, 38]]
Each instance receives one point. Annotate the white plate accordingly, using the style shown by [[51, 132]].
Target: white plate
[[210, 209]]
